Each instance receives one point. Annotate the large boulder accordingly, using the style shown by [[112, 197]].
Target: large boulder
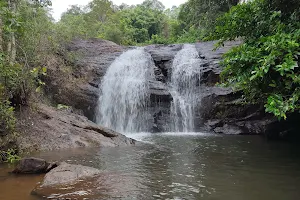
[[63, 179], [47, 128], [67, 173], [33, 166]]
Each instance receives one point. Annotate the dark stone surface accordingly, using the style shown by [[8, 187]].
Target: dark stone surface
[[163, 56], [33, 166], [161, 98]]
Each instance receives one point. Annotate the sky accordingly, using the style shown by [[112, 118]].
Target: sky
[[60, 6]]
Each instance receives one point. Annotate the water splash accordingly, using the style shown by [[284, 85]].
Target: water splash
[[125, 98], [186, 73]]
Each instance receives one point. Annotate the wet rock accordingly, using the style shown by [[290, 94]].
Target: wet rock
[[67, 173], [64, 184], [210, 75], [163, 52], [159, 75], [212, 124], [229, 130], [223, 111], [163, 56], [48, 128], [65, 181], [33, 166], [159, 92]]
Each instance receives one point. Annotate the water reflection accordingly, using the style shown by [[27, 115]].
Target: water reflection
[[190, 166]]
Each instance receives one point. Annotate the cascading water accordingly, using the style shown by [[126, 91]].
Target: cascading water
[[124, 92], [185, 78]]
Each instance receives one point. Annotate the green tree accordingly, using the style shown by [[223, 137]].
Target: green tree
[[266, 65], [200, 16], [23, 44], [153, 5]]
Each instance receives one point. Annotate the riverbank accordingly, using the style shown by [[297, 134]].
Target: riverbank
[[44, 128]]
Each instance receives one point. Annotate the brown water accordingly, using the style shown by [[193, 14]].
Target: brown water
[[176, 166]]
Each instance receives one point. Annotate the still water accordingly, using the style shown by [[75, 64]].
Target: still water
[[181, 166]]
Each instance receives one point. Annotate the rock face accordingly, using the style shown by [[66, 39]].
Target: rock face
[[33, 166], [73, 78], [47, 128], [220, 110]]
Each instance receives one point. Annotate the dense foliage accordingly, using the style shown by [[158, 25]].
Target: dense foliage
[[201, 15], [148, 22], [24, 45], [266, 65]]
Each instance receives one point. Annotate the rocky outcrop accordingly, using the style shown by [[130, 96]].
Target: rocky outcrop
[[33, 166], [220, 110], [73, 78], [223, 111], [47, 128]]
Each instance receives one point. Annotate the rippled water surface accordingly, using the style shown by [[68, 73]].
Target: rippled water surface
[[182, 166]]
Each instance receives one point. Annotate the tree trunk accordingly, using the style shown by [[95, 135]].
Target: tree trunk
[[9, 38], [11, 43], [1, 35], [13, 37]]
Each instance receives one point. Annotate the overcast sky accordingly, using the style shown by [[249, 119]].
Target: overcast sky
[[59, 6]]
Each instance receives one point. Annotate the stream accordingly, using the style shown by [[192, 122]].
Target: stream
[[180, 166]]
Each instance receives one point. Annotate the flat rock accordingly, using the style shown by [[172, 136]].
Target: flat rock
[[48, 128], [66, 179], [67, 173]]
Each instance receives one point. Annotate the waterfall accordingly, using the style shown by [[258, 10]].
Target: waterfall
[[185, 80], [124, 97]]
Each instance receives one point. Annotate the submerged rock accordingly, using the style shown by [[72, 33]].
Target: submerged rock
[[67, 173], [63, 180], [33, 166]]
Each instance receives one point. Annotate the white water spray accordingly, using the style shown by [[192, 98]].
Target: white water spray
[[125, 98], [186, 73]]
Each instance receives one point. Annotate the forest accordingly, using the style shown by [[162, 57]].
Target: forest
[[265, 67]]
